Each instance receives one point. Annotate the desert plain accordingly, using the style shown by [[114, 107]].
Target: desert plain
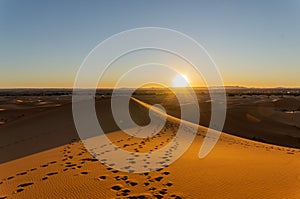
[[257, 155]]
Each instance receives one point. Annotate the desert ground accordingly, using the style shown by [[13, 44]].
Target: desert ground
[[43, 157]]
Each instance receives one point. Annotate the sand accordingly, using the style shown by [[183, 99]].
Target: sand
[[258, 117], [54, 164]]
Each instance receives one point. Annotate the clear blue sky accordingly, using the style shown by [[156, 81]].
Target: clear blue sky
[[254, 43]]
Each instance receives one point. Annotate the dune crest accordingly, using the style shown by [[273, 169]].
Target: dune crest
[[235, 168]]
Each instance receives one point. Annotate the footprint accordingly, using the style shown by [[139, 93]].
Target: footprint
[[52, 173], [163, 191], [102, 177], [126, 191], [169, 184], [71, 165], [133, 183], [90, 159], [166, 173], [45, 178], [158, 179], [19, 190], [25, 184], [84, 173], [22, 173], [116, 187], [158, 196]]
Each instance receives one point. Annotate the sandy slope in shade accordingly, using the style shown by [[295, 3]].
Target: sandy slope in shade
[[236, 168]]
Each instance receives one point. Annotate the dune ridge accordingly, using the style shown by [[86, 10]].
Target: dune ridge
[[236, 168]]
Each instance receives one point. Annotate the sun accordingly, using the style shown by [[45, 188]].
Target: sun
[[180, 80]]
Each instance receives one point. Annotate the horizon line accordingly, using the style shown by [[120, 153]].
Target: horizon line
[[153, 87]]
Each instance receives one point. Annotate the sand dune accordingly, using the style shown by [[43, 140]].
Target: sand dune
[[52, 164], [260, 117]]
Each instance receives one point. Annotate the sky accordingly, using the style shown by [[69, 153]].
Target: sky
[[253, 43]]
